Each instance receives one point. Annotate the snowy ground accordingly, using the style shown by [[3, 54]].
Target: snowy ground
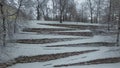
[[39, 65], [21, 49]]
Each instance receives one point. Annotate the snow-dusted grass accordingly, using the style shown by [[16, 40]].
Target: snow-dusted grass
[[40, 49], [72, 23], [75, 31], [97, 38], [5, 54], [43, 36], [115, 65], [103, 53], [34, 24], [32, 50], [41, 65]]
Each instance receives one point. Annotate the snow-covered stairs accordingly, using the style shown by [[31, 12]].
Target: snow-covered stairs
[[45, 44]]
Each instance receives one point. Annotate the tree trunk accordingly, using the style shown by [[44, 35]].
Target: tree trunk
[[118, 31], [109, 15], [91, 16], [38, 13], [60, 11], [17, 15], [91, 11], [4, 24], [60, 17]]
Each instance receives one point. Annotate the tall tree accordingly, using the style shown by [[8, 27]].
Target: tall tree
[[109, 14], [3, 22], [62, 5], [54, 9], [91, 9], [17, 14], [41, 8], [98, 10], [83, 13], [118, 24]]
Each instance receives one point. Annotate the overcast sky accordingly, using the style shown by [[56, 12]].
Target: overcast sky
[[79, 1]]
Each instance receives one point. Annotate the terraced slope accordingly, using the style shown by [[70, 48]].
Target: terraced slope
[[50, 45]]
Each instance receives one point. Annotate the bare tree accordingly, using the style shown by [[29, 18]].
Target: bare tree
[[118, 31], [83, 14], [118, 24], [109, 14], [98, 10], [3, 21], [5, 16], [61, 8], [40, 8], [54, 9], [91, 9], [17, 14]]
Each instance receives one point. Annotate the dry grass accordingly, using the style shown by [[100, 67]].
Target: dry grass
[[94, 62], [43, 41], [76, 26], [48, 57], [94, 44]]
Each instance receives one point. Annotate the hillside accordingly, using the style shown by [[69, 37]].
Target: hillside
[[47, 44]]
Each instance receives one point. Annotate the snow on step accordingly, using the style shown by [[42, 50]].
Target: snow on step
[[114, 65], [89, 40], [103, 53], [42, 36], [40, 65], [33, 24], [69, 23], [75, 31], [33, 50]]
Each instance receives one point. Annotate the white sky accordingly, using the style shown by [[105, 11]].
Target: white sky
[[79, 1]]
